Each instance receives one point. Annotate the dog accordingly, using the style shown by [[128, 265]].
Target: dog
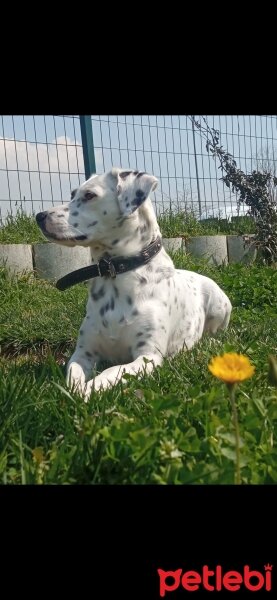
[[142, 309]]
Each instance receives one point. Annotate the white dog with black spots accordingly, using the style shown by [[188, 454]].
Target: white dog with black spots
[[141, 316]]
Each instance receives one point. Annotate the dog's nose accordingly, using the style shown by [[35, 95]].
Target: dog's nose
[[40, 217]]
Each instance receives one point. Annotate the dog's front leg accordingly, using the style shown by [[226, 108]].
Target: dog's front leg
[[111, 376], [79, 368]]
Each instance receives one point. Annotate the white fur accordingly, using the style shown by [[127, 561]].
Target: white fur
[[140, 316]]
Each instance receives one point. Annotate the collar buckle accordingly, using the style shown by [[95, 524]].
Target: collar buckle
[[106, 267]]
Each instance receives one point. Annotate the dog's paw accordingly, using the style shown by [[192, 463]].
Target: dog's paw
[[75, 377], [98, 384]]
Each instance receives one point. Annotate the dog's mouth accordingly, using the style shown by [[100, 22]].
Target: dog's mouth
[[64, 240], [58, 237]]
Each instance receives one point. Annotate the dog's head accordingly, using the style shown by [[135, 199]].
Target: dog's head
[[102, 210]]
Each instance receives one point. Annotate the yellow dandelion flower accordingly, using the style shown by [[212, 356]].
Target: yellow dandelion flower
[[38, 454], [231, 367]]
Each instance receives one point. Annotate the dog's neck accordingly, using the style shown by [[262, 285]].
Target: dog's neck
[[129, 237]]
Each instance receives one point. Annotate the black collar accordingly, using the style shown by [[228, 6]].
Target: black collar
[[111, 267]]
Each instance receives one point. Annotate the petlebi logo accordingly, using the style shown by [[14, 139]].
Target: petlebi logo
[[216, 579]]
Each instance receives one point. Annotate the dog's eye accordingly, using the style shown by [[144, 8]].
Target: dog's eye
[[89, 196]]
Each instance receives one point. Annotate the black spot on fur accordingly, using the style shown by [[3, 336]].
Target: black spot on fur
[[73, 193], [115, 242], [66, 209], [140, 344], [104, 212], [128, 204], [75, 213], [88, 354], [81, 332], [107, 306], [102, 311], [135, 172], [75, 224], [80, 237], [105, 323], [143, 280], [121, 320], [141, 174], [124, 174], [140, 197], [129, 299], [115, 291], [97, 295], [135, 312], [112, 303], [140, 333], [93, 223], [59, 216]]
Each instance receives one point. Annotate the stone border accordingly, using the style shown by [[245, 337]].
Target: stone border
[[51, 261], [240, 249], [211, 247], [16, 257]]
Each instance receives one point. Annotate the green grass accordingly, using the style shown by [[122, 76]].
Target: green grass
[[172, 427], [22, 228], [185, 224]]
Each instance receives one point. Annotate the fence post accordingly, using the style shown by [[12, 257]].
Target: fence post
[[87, 143], [196, 169]]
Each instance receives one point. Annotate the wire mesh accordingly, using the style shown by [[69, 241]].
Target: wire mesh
[[41, 157]]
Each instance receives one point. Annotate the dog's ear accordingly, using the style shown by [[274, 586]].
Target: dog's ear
[[133, 187]]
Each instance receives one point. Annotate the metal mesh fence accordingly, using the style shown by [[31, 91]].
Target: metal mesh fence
[[41, 160], [174, 151], [41, 157]]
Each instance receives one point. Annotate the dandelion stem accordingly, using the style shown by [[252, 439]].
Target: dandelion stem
[[231, 388]]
